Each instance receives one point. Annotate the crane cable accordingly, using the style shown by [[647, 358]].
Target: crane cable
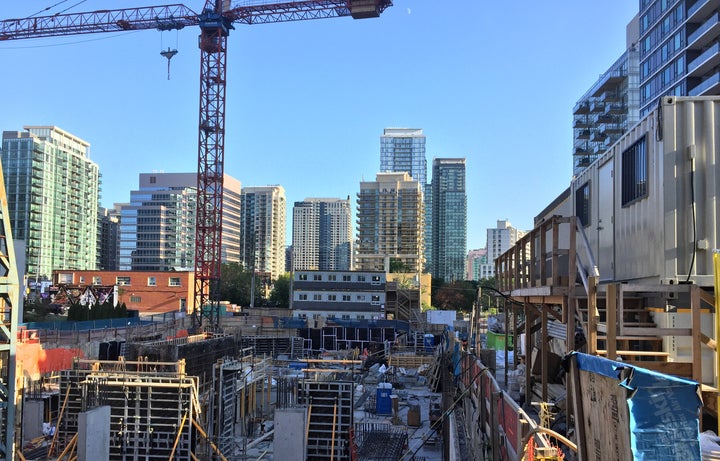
[[49, 7]]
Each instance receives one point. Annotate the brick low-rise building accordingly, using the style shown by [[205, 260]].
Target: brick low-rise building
[[145, 291]]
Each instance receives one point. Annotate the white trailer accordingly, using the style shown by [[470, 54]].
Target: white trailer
[[650, 203]]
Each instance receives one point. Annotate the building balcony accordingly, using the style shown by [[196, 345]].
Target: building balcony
[[581, 123], [704, 62], [597, 106], [615, 109], [598, 136], [582, 107], [705, 34], [583, 134], [700, 10], [611, 96], [605, 118], [709, 86]]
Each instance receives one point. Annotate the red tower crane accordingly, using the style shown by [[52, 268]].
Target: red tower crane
[[215, 21]]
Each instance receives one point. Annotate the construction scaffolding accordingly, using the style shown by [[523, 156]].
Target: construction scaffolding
[[273, 346], [330, 409], [151, 411], [201, 352]]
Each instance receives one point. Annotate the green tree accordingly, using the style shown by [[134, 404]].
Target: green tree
[[280, 294], [458, 296], [397, 265], [235, 283]]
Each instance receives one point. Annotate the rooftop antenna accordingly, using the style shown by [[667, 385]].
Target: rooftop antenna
[[169, 53]]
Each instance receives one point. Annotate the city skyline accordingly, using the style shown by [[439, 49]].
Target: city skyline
[[309, 96]]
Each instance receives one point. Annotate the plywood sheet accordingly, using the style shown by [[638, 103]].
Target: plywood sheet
[[606, 417]]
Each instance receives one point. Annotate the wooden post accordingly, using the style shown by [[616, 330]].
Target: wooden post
[[611, 297], [544, 360], [177, 438], [332, 443], [579, 416], [593, 317], [696, 333], [57, 427], [529, 319], [495, 425]]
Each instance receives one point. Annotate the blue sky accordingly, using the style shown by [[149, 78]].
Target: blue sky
[[308, 101]]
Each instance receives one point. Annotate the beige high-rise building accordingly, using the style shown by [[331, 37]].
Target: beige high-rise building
[[390, 223], [262, 229]]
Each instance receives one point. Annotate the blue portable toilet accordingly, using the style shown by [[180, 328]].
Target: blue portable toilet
[[383, 403], [429, 343]]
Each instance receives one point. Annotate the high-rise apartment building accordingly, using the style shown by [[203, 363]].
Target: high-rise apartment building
[[53, 191], [477, 264], [403, 149], [607, 110], [262, 229], [157, 227], [501, 239], [679, 48], [108, 246], [390, 221], [449, 219], [322, 234]]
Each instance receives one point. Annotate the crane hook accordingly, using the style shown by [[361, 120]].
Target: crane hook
[[169, 54]]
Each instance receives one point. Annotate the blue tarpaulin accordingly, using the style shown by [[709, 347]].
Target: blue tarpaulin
[[664, 410]]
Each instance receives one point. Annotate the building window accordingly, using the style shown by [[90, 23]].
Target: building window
[[124, 280], [635, 172], [360, 278], [135, 299], [375, 298], [183, 304], [332, 277], [65, 278], [346, 317], [346, 297], [346, 278], [317, 297], [332, 297], [375, 278], [152, 281], [360, 298], [317, 277], [153, 179], [582, 204], [302, 297], [331, 316], [174, 282], [360, 317], [82, 279], [302, 277], [97, 280]]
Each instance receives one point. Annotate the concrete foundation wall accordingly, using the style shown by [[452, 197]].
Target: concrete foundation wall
[[94, 434], [32, 418], [289, 441]]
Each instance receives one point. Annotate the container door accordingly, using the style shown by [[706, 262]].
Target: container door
[[605, 234]]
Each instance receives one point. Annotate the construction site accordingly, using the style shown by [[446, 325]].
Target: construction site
[[229, 395]]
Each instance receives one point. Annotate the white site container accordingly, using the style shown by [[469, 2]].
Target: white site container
[[652, 238]]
